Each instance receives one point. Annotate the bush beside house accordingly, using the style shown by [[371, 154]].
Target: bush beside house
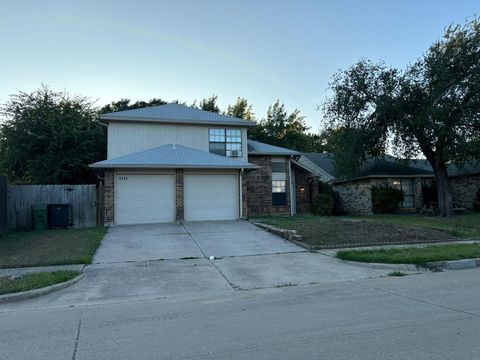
[[385, 199], [476, 202]]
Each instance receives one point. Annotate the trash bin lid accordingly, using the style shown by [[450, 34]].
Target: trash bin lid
[[39, 207]]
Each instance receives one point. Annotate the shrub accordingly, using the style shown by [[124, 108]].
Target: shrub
[[325, 188], [385, 199], [323, 205], [476, 202], [337, 204]]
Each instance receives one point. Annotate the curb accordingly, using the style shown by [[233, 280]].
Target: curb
[[39, 292], [381, 266], [454, 264], [289, 235]]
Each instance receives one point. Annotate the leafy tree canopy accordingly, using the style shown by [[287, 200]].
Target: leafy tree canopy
[[280, 128], [125, 104], [241, 109], [210, 104], [50, 138], [431, 108]]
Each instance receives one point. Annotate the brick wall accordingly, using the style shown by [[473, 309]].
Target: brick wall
[[179, 194], [305, 188], [259, 188], [244, 185], [109, 205]]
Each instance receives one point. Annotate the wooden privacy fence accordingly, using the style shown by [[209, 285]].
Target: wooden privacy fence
[[3, 205], [85, 205]]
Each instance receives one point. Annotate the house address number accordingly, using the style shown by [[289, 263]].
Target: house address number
[[123, 178]]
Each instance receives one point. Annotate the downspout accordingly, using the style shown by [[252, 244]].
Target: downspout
[[240, 187]]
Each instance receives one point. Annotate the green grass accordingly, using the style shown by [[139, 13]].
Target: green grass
[[416, 256], [320, 232], [462, 226], [50, 247], [34, 281]]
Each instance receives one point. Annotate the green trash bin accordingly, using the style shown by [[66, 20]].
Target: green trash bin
[[40, 217]]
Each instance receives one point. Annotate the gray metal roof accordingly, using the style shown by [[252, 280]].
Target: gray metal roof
[[258, 148], [323, 161], [174, 156], [175, 113]]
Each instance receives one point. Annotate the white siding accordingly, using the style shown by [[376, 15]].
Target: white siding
[[129, 137]]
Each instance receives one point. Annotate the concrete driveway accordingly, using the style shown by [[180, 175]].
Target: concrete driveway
[[171, 260], [188, 240]]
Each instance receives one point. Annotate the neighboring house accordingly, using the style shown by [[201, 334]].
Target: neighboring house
[[415, 178], [172, 162]]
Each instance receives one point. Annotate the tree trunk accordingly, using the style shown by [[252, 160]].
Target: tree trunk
[[444, 188]]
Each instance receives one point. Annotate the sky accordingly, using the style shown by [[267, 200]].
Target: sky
[[187, 50]]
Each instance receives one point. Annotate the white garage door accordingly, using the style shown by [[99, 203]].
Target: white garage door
[[211, 197], [144, 199]]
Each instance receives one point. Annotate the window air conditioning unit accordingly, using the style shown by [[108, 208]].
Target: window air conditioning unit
[[234, 153]]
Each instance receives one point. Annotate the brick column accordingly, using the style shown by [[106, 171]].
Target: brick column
[[109, 197], [244, 195], [179, 194]]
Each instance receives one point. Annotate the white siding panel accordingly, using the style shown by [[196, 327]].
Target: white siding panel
[[129, 137], [211, 197], [144, 199]]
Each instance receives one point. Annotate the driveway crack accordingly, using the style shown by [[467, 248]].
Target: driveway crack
[[75, 346], [206, 257]]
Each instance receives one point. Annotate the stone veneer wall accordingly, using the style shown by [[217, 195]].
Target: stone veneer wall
[[109, 197], [464, 189], [259, 188], [357, 197]]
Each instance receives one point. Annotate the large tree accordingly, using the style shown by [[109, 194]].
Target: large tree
[[209, 104], [431, 108], [280, 128], [126, 104], [50, 138], [241, 109]]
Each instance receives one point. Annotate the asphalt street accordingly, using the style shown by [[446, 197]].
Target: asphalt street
[[422, 316]]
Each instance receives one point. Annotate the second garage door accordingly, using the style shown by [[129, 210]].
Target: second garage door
[[211, 197], [143, 199]]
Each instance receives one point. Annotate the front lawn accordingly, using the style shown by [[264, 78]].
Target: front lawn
[[321, 232], [34, 281], [50, 247], [417, 256], [463, 226]]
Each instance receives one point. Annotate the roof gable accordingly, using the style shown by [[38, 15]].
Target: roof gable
[[259, 148]]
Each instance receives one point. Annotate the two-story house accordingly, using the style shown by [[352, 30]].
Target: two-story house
[[173, 162]]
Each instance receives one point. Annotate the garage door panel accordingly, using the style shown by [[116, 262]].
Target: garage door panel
[[143, 199], [211, 197]]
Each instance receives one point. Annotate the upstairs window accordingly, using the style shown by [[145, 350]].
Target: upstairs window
[[225, 142]]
